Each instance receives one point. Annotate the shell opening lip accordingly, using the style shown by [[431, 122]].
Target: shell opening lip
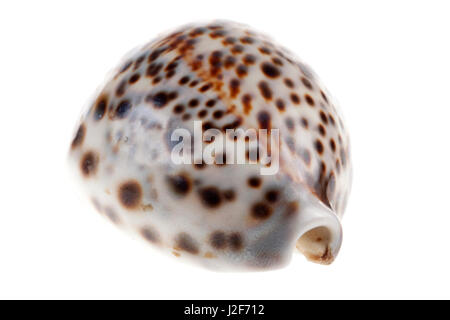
[[320, 240]]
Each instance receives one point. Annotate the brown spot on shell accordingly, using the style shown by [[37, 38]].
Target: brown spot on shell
[[179, 184], [150, 234], [186, 243], [270, 70], [235, 241], [218, 240], [264, 120], [89, 163], [265, 90], [210, 196], [79, 136], [254, 182], [261, 211], [130, 194]]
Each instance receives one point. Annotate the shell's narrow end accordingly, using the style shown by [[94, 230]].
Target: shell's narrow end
[[317, 245]]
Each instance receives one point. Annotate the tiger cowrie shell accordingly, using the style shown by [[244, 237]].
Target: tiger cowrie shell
[[224, 216]]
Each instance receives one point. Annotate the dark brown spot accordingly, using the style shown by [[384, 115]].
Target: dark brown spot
[[179, 184], [289, 83], [235, 241], [218, 240], [261, 211], [100, 108], [79, 136], [126, 66], [265, 90], [309, 100], [249, 59], [306, 83], [229, 62], [150, 234], [153, 69], [184, 80], [265, 50], [237, 49], [332, 121], [277, 61], [254, 182], [270, 70], [210, 196], [272, 196], [324, 96], [304, 123], [234, 87], [179, 108], [322, 130], [295, 98], [323, 117], [319, 146], [280, 105], [187, 243], [89, 163], [218, 114], [193, 103], [122, 109], [210, 103], [241, 70], [247, 40], [264, 120], [247, 103], [160, 99], [205, 87], [130, 194], [134, 78], [120, 90], [333, 145], [202, 113]]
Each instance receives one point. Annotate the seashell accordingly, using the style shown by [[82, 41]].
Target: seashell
[[141, 152]]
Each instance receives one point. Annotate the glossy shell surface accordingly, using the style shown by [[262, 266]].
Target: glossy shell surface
[[225, 216]]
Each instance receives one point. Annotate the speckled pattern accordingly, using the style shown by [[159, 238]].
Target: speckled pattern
[[223, 216]]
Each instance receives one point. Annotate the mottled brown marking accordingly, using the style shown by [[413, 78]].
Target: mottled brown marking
[[130, 194], [247, 103], [186, 243], [241, 70], [261, 211], [234, 87], [235, 241], [89, 163], [150, 234], [79, 136], [306, 83], [179, 184], [265, 90], [280, 105], [218, 240], [264, 120]]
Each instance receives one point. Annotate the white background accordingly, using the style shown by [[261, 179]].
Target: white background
[[386, 62]]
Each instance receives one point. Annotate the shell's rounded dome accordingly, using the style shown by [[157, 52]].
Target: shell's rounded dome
[[292, 188]]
